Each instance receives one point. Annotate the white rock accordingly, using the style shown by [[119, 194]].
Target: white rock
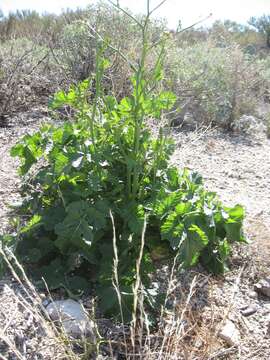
[[230, 333], [253, 295], [71, 315], [266, 310]]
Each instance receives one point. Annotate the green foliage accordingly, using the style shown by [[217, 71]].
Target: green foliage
[[106, 161]]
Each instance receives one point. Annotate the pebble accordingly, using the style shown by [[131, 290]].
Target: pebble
[[45, 302], [263, 287], [71, 315], [230, 333], [266, 309], [253, 295], [250, 310]]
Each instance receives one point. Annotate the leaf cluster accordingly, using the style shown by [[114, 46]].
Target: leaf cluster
[[106, 162]]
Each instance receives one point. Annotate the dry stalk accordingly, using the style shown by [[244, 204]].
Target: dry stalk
[[115, 279]]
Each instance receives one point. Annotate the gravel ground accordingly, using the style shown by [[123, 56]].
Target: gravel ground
[[238, 169], [25, 332], [20, 125]]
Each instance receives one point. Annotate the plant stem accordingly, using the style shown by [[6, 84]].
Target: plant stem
[[138, 110]]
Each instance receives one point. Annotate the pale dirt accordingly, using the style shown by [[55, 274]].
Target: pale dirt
[[237, 168]]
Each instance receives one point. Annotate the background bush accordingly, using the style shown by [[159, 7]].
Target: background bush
[[28, 75], [215, 84], [218, 73]]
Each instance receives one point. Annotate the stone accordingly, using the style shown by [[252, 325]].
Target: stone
[[263, 287], [230, 333], [72, 317], [250, 310], [266, 310], [45, 302], [253, 295]]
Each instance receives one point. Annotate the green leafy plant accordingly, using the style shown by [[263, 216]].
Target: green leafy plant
[[106, 162]]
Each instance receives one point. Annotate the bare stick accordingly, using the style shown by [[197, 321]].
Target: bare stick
[[115, 279], [125, 12], [156, 7]]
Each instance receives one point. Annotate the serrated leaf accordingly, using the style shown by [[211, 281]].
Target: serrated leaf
[[53, 274], [168, 203], [28, 160], [77, 229]]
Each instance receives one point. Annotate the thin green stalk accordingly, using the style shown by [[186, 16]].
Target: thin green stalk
[[98, 78], [138, 111], [158, 156]]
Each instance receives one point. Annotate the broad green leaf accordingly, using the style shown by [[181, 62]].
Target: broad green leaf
[[236, 212], [168, 203], [234, 231], [52, 216], [60, 162], [125, 106], [192, 245]]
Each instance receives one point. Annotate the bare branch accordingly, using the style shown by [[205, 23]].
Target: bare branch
[[157, 7], [117, 6], [196, 23]]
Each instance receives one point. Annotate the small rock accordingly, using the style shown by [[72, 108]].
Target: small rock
[[45, 302], [253, 295], [71, 315], [198, 343], [266, 309], [42, 296], [230, 333], [263, 287], [250, 310]]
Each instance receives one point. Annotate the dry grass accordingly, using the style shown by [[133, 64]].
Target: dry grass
[[24, 311]]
